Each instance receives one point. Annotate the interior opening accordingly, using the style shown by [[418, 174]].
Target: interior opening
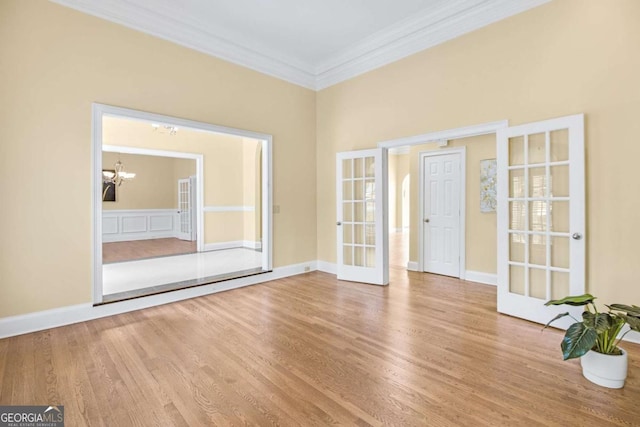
[[179, 206], [399, 206]]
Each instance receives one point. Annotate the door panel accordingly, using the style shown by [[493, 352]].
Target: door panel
[[441, 213], [362, 236], [184, 209], [541, 221]]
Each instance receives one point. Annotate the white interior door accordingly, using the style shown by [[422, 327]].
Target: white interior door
[[185, 224], [194, 210], [362, 229], [541, 216], [441, 213]]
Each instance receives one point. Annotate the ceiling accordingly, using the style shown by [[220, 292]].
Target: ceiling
[[312, 43]]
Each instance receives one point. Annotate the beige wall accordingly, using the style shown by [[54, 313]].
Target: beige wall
[[252, 188], [480, 241], [392, 165], [155, 184], [55, 62], [565, 57], [401, 171], [398, 169]]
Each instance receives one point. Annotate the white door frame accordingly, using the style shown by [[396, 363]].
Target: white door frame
[[99, 111], [199, 158], [462, 152], [436, 137]]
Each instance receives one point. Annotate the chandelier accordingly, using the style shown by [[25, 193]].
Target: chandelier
[[118, 176]]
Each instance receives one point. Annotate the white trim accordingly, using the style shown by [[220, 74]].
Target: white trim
[[248, 244], [192, 35], [422, 30], [22, 324], [632, 336], [223, 245], [397, 151], [328, 267], [480, 277], [413, 266], [251, 244], [229, 208], [448, 134], [462, 152], [419, 32], [101, 110], [115, 229]]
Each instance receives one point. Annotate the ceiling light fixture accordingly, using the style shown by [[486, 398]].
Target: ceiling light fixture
[[118, 176], [171, 129]]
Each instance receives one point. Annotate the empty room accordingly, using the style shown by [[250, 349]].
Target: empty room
[[319, 213]]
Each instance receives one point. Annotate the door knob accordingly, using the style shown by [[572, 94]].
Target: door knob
[[338, 223], [426, 220], [576, 236]]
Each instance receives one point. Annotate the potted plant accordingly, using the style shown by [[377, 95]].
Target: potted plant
[[595, 339]]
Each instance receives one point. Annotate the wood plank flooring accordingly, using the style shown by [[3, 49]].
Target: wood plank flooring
[[312, 350], [142, 249]]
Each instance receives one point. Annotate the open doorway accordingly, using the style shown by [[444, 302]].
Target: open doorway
[[151, 213], [478, 248], [399, 206], [178, 204]]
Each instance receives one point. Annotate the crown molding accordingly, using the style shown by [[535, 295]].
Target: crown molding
[[409, 36], [192, 35], [416, 34]]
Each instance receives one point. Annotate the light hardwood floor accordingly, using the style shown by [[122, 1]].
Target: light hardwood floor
[[142, 249], [312, 350]]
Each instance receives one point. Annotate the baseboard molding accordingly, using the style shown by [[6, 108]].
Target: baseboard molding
[[32, 322], [249, 244], [480, 277], [327, 267], [632, 336], [412, 266]]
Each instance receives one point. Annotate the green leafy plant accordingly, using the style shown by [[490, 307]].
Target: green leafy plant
[[597, 331]]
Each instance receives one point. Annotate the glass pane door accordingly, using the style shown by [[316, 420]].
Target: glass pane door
[[360, 235], [541, 215]]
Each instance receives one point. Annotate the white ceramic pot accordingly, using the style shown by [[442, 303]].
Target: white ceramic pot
[[606, 370]]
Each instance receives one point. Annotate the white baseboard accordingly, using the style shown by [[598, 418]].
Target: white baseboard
[[32, 322], [412, 266], [249, 244], [480, 277], [327, 267], [632, 336]]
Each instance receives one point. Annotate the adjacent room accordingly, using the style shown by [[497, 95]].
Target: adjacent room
[[180, 207], [319, 213]]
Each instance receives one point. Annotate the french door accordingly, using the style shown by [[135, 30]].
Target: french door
[[362, 229], [185, 224], [541, 216]]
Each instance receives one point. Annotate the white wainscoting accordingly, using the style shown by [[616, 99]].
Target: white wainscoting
[[138, 224]]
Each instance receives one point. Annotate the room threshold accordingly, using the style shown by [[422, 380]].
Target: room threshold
[[176, 286]]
